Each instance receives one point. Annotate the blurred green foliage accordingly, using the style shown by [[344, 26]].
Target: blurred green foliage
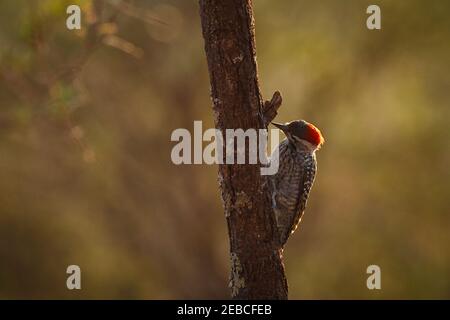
[[85, 170]]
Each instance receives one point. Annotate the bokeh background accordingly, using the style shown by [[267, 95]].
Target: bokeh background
[[85, 170]]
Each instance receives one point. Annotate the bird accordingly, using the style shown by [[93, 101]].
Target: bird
[[297, 167]]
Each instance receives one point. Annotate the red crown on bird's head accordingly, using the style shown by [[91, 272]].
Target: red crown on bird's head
[[301, 129], [314, 136]]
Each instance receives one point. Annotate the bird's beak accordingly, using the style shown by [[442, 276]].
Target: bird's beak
[[280, 126]]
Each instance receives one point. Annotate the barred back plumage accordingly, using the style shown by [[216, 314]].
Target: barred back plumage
[[291, 185]]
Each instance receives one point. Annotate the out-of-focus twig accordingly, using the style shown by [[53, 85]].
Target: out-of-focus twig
[[123, 45], [138, 13], [93, 39]]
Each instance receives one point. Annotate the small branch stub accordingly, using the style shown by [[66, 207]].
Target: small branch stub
[[270, 108]]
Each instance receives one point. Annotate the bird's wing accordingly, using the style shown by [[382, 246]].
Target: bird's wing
[[301, 180]]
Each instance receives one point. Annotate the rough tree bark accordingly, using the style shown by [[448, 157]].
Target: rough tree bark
[[257, 271]]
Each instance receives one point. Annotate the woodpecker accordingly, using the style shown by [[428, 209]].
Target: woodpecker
[[296, 172]]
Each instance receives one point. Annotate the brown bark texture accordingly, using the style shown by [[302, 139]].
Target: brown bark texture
[[257, 270]]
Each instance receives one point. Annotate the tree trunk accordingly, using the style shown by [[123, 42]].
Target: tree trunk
[[257, 271]]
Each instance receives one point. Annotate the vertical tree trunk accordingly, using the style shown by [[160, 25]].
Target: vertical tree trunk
[[257, 271]]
